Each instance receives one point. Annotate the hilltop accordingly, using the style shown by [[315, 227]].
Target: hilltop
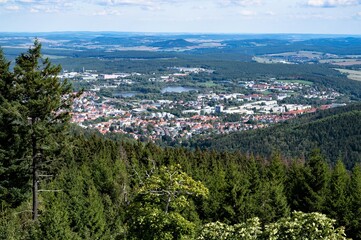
[[176, 43]]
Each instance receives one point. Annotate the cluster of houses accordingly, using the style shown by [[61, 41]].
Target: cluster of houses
[[156, 119], [152, 120]]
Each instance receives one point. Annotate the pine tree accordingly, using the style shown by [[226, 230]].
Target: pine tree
[[254, 198], [13, 168], [277, 169], [274, 191], [234, 206], [55, 222], [317, 175], [43, 104], [354, 228], [307, 184], [296, 187], [337, 200]]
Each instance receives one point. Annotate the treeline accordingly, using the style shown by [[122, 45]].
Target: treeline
[[144, 62], [339, 46], [113, 190], [335, 131]]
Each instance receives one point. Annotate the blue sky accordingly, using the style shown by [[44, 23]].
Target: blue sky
[[202, 16]]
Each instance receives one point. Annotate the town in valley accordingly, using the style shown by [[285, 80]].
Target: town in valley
[[173, 116]]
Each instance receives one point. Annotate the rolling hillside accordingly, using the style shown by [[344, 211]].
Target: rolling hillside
[[337, 132]]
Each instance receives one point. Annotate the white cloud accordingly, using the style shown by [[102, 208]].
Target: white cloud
[[12, 8], [125, 2], [107, 12], [44, 9], [45, 6], [247, 13], [200, 7], [148, 5], [3, 1], [270, 13], [45, 2], [135, 2], [318, 16], [243, 3], [25, 1], [332, 3]]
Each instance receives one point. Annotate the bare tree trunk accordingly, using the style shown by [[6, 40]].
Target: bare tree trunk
[[35, 190], [167, 205], [35, 178]]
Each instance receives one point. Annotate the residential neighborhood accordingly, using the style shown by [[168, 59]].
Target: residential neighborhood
[[180, 119]]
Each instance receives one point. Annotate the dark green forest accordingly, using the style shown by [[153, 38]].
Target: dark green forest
[[336, 132], [58, 181], [108, 190]]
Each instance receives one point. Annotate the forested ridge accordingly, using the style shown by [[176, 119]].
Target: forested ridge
[[335, 131], [58, 181]]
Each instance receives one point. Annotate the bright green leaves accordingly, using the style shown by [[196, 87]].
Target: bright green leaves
[[249, 230], [170, 188], [158, 208], [302, 226], [153, 223]]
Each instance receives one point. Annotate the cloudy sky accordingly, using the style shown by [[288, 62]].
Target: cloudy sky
[[202, 16]]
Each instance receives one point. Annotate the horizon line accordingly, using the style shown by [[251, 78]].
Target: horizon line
[[174, 33]]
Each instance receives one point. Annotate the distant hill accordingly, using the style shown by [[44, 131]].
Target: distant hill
[[177, 43], [339, 45], [124, 41], [337, 132]]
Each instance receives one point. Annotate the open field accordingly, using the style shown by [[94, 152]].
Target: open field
[[265, 60], [335, 60], [297, 81], [342, 61], [208, 84], [308, 54], [53, 56], [349, 63], [351, 74]]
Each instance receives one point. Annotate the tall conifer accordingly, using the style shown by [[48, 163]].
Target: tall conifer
[[317, 175], [13, 177], [337, 200], [354, 227], [43, 112]]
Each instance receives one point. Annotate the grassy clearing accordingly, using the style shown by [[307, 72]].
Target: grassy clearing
[[53, 56], [351, 74], [342, 61], [209, 84], [266, 92], [334, 60], [304, 82]]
